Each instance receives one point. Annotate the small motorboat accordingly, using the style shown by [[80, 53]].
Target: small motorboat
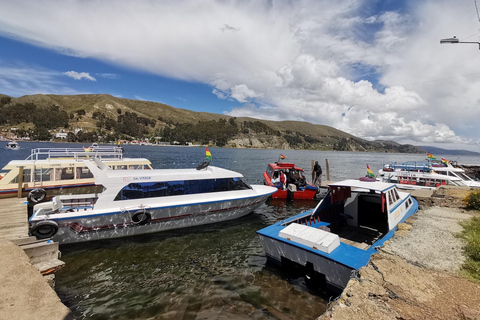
[[296, 185], [12, 145], [145, 201], [340, 234]]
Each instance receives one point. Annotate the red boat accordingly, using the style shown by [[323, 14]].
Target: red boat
[[296, 186]]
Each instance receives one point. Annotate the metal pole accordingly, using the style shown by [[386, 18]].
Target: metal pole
[[20, 181], [328, 169]]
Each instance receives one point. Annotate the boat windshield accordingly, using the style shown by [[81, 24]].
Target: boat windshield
[[177, 188]]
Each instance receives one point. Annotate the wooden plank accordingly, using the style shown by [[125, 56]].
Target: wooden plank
[[13, 218]]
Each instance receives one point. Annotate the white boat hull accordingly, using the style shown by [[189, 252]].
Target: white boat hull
[[120, 224]]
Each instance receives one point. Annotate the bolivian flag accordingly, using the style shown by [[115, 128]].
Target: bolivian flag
[[282, 156], [208, 155], [430, 156], [370, 172]]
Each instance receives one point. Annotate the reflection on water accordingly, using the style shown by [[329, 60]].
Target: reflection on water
[[210, 272]]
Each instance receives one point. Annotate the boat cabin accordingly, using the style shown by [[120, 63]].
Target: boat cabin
[[359, 212], [62, 167]]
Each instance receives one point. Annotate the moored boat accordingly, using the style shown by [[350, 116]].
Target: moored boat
[[52, 171], [138, 202], [12, 145], [429, 174], [295, 186], [340, 234]]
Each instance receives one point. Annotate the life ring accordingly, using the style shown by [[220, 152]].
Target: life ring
[[141, 217], [203, 165], [44, 229], [36, 195]]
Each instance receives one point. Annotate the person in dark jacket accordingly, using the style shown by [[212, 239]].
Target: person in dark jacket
[[317, 172]]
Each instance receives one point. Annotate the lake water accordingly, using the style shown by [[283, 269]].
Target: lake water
[[210, 272]]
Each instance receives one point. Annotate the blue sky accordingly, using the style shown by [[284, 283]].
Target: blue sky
[[111, 78], [374, 69]]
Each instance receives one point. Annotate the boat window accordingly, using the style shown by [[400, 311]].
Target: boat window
[[390, 200], [64, 174], [442, 173], [84, 173], [269, 171], [26, 176], [463, 176], [175, 188], [395, 194], [136, 167], [43, 174], [122, 167]]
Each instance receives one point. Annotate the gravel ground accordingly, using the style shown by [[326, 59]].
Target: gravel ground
[[415, 275], [432, 241]]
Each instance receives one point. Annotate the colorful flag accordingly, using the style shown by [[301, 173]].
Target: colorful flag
[[208, 155], [430, 156], [370, 172], [87, 149], [282, 157], [445, 161]]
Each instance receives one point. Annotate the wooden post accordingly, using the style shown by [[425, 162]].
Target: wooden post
[[328, 169], [313, 172], [20, 181]]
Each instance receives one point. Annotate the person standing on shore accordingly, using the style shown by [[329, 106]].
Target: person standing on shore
[[317, 171]]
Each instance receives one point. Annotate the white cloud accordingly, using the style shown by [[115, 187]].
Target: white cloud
[[21, 79], [303, 60], [80, 75]]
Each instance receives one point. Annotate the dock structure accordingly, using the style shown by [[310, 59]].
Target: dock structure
[[13, 219], [28, 268]]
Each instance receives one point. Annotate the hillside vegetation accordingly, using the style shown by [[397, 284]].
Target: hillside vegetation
[[104, 118]]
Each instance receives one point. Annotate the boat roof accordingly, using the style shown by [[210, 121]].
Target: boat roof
[[283, 165], [67, 162], [369, 185], [105, 176]]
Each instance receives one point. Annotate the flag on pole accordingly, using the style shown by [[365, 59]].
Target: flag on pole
[[445, 161], [430, 156], [282, 157], [370, 173], [208, 155]]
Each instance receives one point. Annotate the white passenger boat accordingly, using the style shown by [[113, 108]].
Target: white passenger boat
[[137, 202], [340, 234], [52, 171], [12, 145], [425, 175]]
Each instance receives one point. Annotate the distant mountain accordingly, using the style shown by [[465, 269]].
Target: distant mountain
[[440, 151], [107, 118]]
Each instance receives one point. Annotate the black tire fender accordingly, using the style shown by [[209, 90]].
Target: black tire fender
[[36, 195], [141, 217], [203, 165], [44, 229]]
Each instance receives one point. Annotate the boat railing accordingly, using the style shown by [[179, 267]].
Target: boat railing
[[410, 166], [115, 153]]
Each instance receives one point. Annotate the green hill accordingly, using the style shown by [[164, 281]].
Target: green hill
[[108, 118]]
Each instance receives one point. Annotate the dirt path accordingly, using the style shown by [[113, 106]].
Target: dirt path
[[415, 275], [24, 293]]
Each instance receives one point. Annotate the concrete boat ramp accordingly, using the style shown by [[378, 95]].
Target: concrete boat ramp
[[27, 268]]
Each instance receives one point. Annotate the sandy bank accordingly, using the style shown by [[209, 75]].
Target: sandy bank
[[415, 275]]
